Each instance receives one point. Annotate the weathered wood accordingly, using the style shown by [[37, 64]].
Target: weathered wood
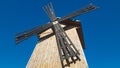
[[46, 55]]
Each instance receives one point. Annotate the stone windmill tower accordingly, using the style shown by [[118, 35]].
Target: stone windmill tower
[[60, 43]]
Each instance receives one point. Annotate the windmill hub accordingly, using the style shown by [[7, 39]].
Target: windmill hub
[[55, 22]]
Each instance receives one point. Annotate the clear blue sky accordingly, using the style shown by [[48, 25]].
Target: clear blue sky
[[101, 30]]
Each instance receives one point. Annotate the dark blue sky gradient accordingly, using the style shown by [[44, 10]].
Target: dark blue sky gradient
[[101, 29]]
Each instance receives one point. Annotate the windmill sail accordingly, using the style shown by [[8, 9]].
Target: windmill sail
[[81, 11], [65, 46], [51, 14], [50, 11], [26, 34]]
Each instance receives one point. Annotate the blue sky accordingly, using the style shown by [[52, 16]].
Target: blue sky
[[101, 29]]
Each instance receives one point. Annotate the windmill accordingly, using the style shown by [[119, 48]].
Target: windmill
[[66, 48]]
